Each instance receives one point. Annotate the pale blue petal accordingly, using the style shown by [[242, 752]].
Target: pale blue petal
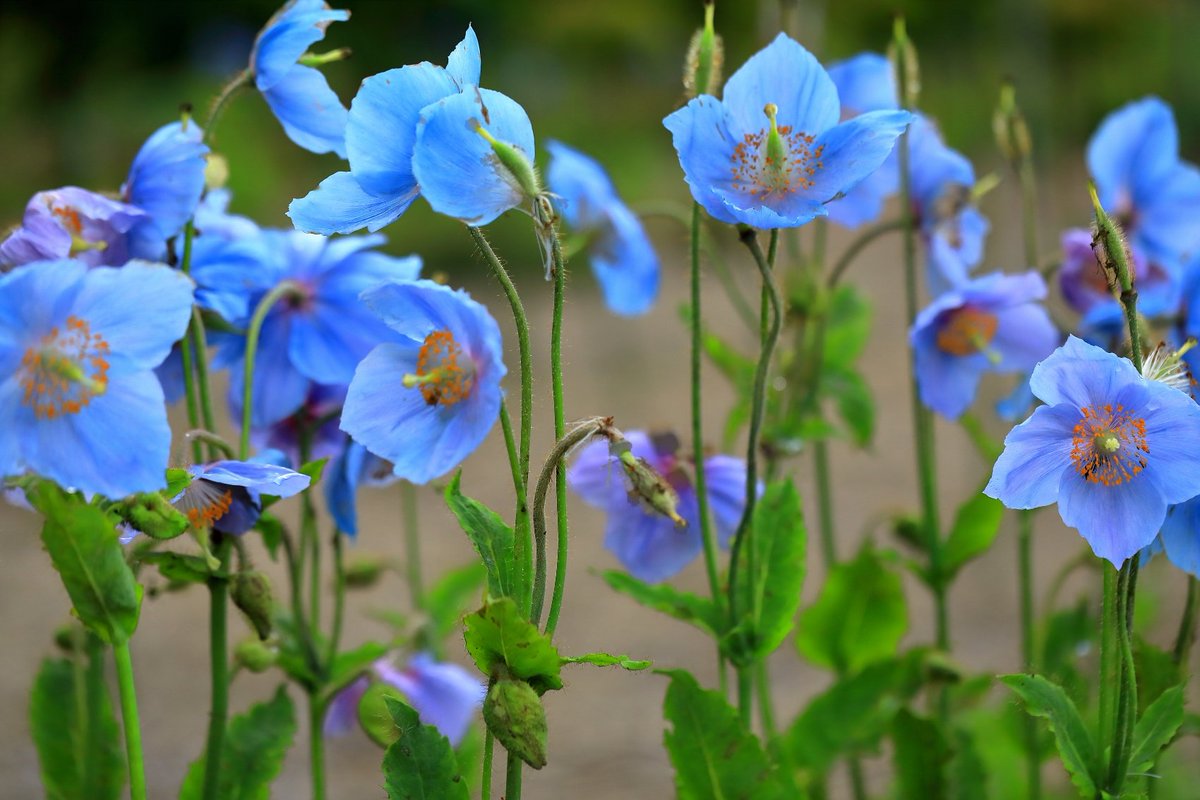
[[1036, 452], [279, 388], [1168, 223], [1117, 521], [167, 176], [1081, 374], [1024, 336], [444, 695], [864, 203], [865, 82], [463, 64], [1172, 432], [700, 133], [726, 486], [786, 74], [648, 545], [1180, 536], [1131, 153], [261, 477], [947, 382], [286, 37], [310, 112], [855, 149], [342, 715], [14, 414], [339, 205], [626, 265]]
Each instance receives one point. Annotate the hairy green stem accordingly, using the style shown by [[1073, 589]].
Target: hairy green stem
[[280, 291], [130, 721], [316, 744], [1187, 626], [1033, 756], [512, 778], [860, 244], [218, 612], [485, 776], [560, 479]]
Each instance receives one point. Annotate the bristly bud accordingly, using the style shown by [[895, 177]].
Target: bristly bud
[[903, 56], [1111, 248], [515, 716], [646, 485], [251, 592], [1167, 366], [705, 58], [364, 572], [255, 655], [153, 515], [520, 168], [1010, 129]]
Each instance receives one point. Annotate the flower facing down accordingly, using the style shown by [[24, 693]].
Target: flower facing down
[[444, 695], [772, 153], [989, 324], [165, 180], [299, 96], [79, 402], [427, 401], [622, 257], [355, 466], [865, 82], [73, 223], [1112, 448], [226, 495], [648, 544]]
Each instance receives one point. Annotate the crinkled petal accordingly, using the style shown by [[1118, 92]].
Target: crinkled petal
[[311, 113], [464, 62], [704, 144], [855, 149], [266, 479], [1036, 452], [1081, 374], [167, 176], [786, 74], [865, 82], [339, 205], [1117, 521]]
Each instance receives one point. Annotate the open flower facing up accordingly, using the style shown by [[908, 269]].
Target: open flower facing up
[[866, 82], [427, 401], [381, 132], [772, 153], [226, 495], [990, 324], [79, 402], [299, 96], [651, 546], [622, 257], [1112, 448]]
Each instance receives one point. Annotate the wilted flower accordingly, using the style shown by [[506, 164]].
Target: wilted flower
[[72, 223], [226, 495]]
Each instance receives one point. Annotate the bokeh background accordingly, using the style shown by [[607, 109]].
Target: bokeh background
[[82, 85]]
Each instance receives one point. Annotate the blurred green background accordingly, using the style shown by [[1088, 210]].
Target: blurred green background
[[82, 84]]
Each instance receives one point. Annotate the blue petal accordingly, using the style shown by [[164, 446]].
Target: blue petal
[[1131, 152], [463, 63], [597, 478], [855, 149], [1168, 224], [1024, 336], [947, 382], [954, 246], [444, 695], [263, 478], [311, 114], [1082, 375], [342, 714], [864, 82], [34, 298], [626, 265], [1036, 453], [12, 413], [649, 545], [170, 375], [167, 176], [341, 487], [1117, 521], [279, 388], [933, 166], [1017, 403], [700, 133], [228, 273], [864, 203], [786, 74], [584, 190], [339, 205], [726, 478], [459, 174], [1180, 536], [1172, 430], [286, 37]]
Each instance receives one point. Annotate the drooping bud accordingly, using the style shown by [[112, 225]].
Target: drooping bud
[[646, 485], [374, 716], [515, 716], [903, 56], [255, 655], [1111, 248], [1010, 128], [364, 572], [705, 58], [251, 592], [216, 171], [153, 515]]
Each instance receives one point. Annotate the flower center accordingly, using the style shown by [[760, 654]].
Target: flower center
[[1109, 445], [776, 160], [65, 370], [205, 502], [966, 331], [445, 373], [73, 224]]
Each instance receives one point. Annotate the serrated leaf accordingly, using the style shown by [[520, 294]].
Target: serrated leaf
[[919, 758], [73, 726], [497, 634], [255, 744], [714, 755], [607, 660], [420, 765], [491, 536], [1049, 701], [859, 616], [447, 600], [684, 606], [83, 547], [1156, 728], [976, 524]]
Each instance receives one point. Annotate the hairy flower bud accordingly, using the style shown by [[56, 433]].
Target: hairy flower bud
[[646, 485], [255, 655], [1111, 248], [1010, 128], [514, 714], [153, 515], [364, 572], [251, 592], [903, 56], [705, 57]]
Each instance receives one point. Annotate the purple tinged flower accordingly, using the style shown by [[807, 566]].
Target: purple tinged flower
[[166, 181], [311, 113], [318, 334], [1084, 286], [427, 401], [79, 402], [355, 466], [444, 695], [1112, 448], [381, 133], [989, 324], [646, 543], [316, 419], [622, 257], [73, 223], [226, 495], [772, 152]]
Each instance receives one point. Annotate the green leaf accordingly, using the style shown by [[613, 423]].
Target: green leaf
[[855, 404], [177, 481], [976, 524], [271, 529], [1156, 728], [491, 536], [83, 547], [859, 616], [989, 449], [684, 606], [1045, 699], [919, 757], [420, 765], [315, 470], [78, 743], [967, 773], [607, 660], [497, 635], [349, 664], [255, 744], [1156, 671], [847, 327], [714, 755], [447, 600], [770, 598], [179, 567]]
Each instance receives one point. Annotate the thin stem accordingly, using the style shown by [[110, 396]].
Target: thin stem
[[200, 339], [1126, 701], [339, 597], [766, 706], [824, 502], [218, 609], [283, 289], [560, 425], [512, 779], [215, 443], [521, 479], [858, 781], [316, 745], [1187, 625], [1033, 756], [860, 244], [745, 691], [221, 101], [1109, 655], [189, 391], [129, 718], [485, 776], [412, 546]]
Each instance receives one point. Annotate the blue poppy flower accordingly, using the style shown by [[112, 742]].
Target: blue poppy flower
[[73, 223], [866, 82], [646, 543], [354, 466], [226, 496], [166, 181], [318, 334], [772, 153], [213, 219], [1179, 537], [381, 132], [1084, 286], [622, 257], [311, 113], [1112, 448], [79, 402], [1134, 160], [989, 324], [444, 695], [427, 401], [316, 421]]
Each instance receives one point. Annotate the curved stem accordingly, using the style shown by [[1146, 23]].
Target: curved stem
[[1187, 625], [218, 608], [214, 442], [521, 480], [130, 721], [860, 244], [221, 101], [283, 289]]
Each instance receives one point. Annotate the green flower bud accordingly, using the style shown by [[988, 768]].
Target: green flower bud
[[364, 572], [647, 485], [523, 173], [374, 716], [255, 655], [251, 592], [705, 57], [903, 56], [216, 171], [153, 515], [1010, 129], [514, 714]]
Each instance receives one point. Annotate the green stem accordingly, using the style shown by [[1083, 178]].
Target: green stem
[[129, 718], [485, 776], [310, 539], [859, 244], [339, 598], [215, 443], [1033, 756], [218, 610], [1109, 655], [512, 779], [200, 340], [316, 745], [560, 426], [1187, 626], [227, 93], [186, 351], [521, 479], [824, 502], [745, 693], [412, 547], [283, 289], [766, 706], [1126, 701], [858, 782]]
